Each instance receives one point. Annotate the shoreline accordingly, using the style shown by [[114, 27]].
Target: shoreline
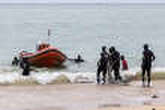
[[64, 78], [82, 97]]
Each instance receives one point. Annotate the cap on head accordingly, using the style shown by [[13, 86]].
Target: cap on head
[[122, 57], [79, 56]]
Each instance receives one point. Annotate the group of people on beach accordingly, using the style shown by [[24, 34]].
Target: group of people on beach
[[110, 62]]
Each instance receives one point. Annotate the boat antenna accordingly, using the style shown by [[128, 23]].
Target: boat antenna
[[49, 34]]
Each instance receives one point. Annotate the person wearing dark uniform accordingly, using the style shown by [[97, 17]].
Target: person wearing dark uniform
[[102, 67], [79, 59], [15, 61], [115, 62], [148, 58], [104, 51], [26, 67]]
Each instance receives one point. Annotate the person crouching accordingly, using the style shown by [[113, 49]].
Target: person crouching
[[102, 67]]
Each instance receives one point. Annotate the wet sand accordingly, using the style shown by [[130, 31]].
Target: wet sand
[[83, 97]]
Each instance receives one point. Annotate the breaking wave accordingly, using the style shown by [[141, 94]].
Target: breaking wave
[[12, 75]]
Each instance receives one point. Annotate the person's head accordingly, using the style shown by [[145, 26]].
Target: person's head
[[103, 48], [112, 49], [146, 46], [79, 56], [122, 57], [15, 58]]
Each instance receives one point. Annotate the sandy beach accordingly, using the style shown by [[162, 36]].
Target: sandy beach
[[83, 97]]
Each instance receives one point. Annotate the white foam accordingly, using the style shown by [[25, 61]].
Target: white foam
[[12, 74], [158, 69]]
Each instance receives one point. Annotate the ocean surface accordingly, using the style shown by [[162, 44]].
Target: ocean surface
[[82, 29]]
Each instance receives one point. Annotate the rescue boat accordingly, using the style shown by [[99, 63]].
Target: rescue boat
[[45, 56]]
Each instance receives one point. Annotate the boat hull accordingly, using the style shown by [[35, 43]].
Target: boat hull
[[45, 58]]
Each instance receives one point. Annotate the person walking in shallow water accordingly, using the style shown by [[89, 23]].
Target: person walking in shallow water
[[148, 58], [115, 62], [26, 67], [102, 65]]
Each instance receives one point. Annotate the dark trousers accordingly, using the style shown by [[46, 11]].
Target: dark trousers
[[148, 70], [104, 71], [116, 73], [26, 72]]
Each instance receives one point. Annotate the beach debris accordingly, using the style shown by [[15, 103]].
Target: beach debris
[[154, 96], [21, 81], [25, 81], [82, 79], [60, 80], [147, 103], [109, 105]]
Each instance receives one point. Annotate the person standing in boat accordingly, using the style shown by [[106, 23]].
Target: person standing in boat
[[38, 45], [148, 58]]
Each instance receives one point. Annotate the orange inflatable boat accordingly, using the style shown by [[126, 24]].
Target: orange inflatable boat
[[45, 56]]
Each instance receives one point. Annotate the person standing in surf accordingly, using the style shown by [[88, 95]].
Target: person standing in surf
[[102, 68], [124, 63], [115, 63], [104, 51], [148, 58], [25, 65], [102, 65]]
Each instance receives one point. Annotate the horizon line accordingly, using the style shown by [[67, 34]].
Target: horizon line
[[101, 3]]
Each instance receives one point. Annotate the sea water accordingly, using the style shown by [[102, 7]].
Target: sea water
[[81, 29]]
